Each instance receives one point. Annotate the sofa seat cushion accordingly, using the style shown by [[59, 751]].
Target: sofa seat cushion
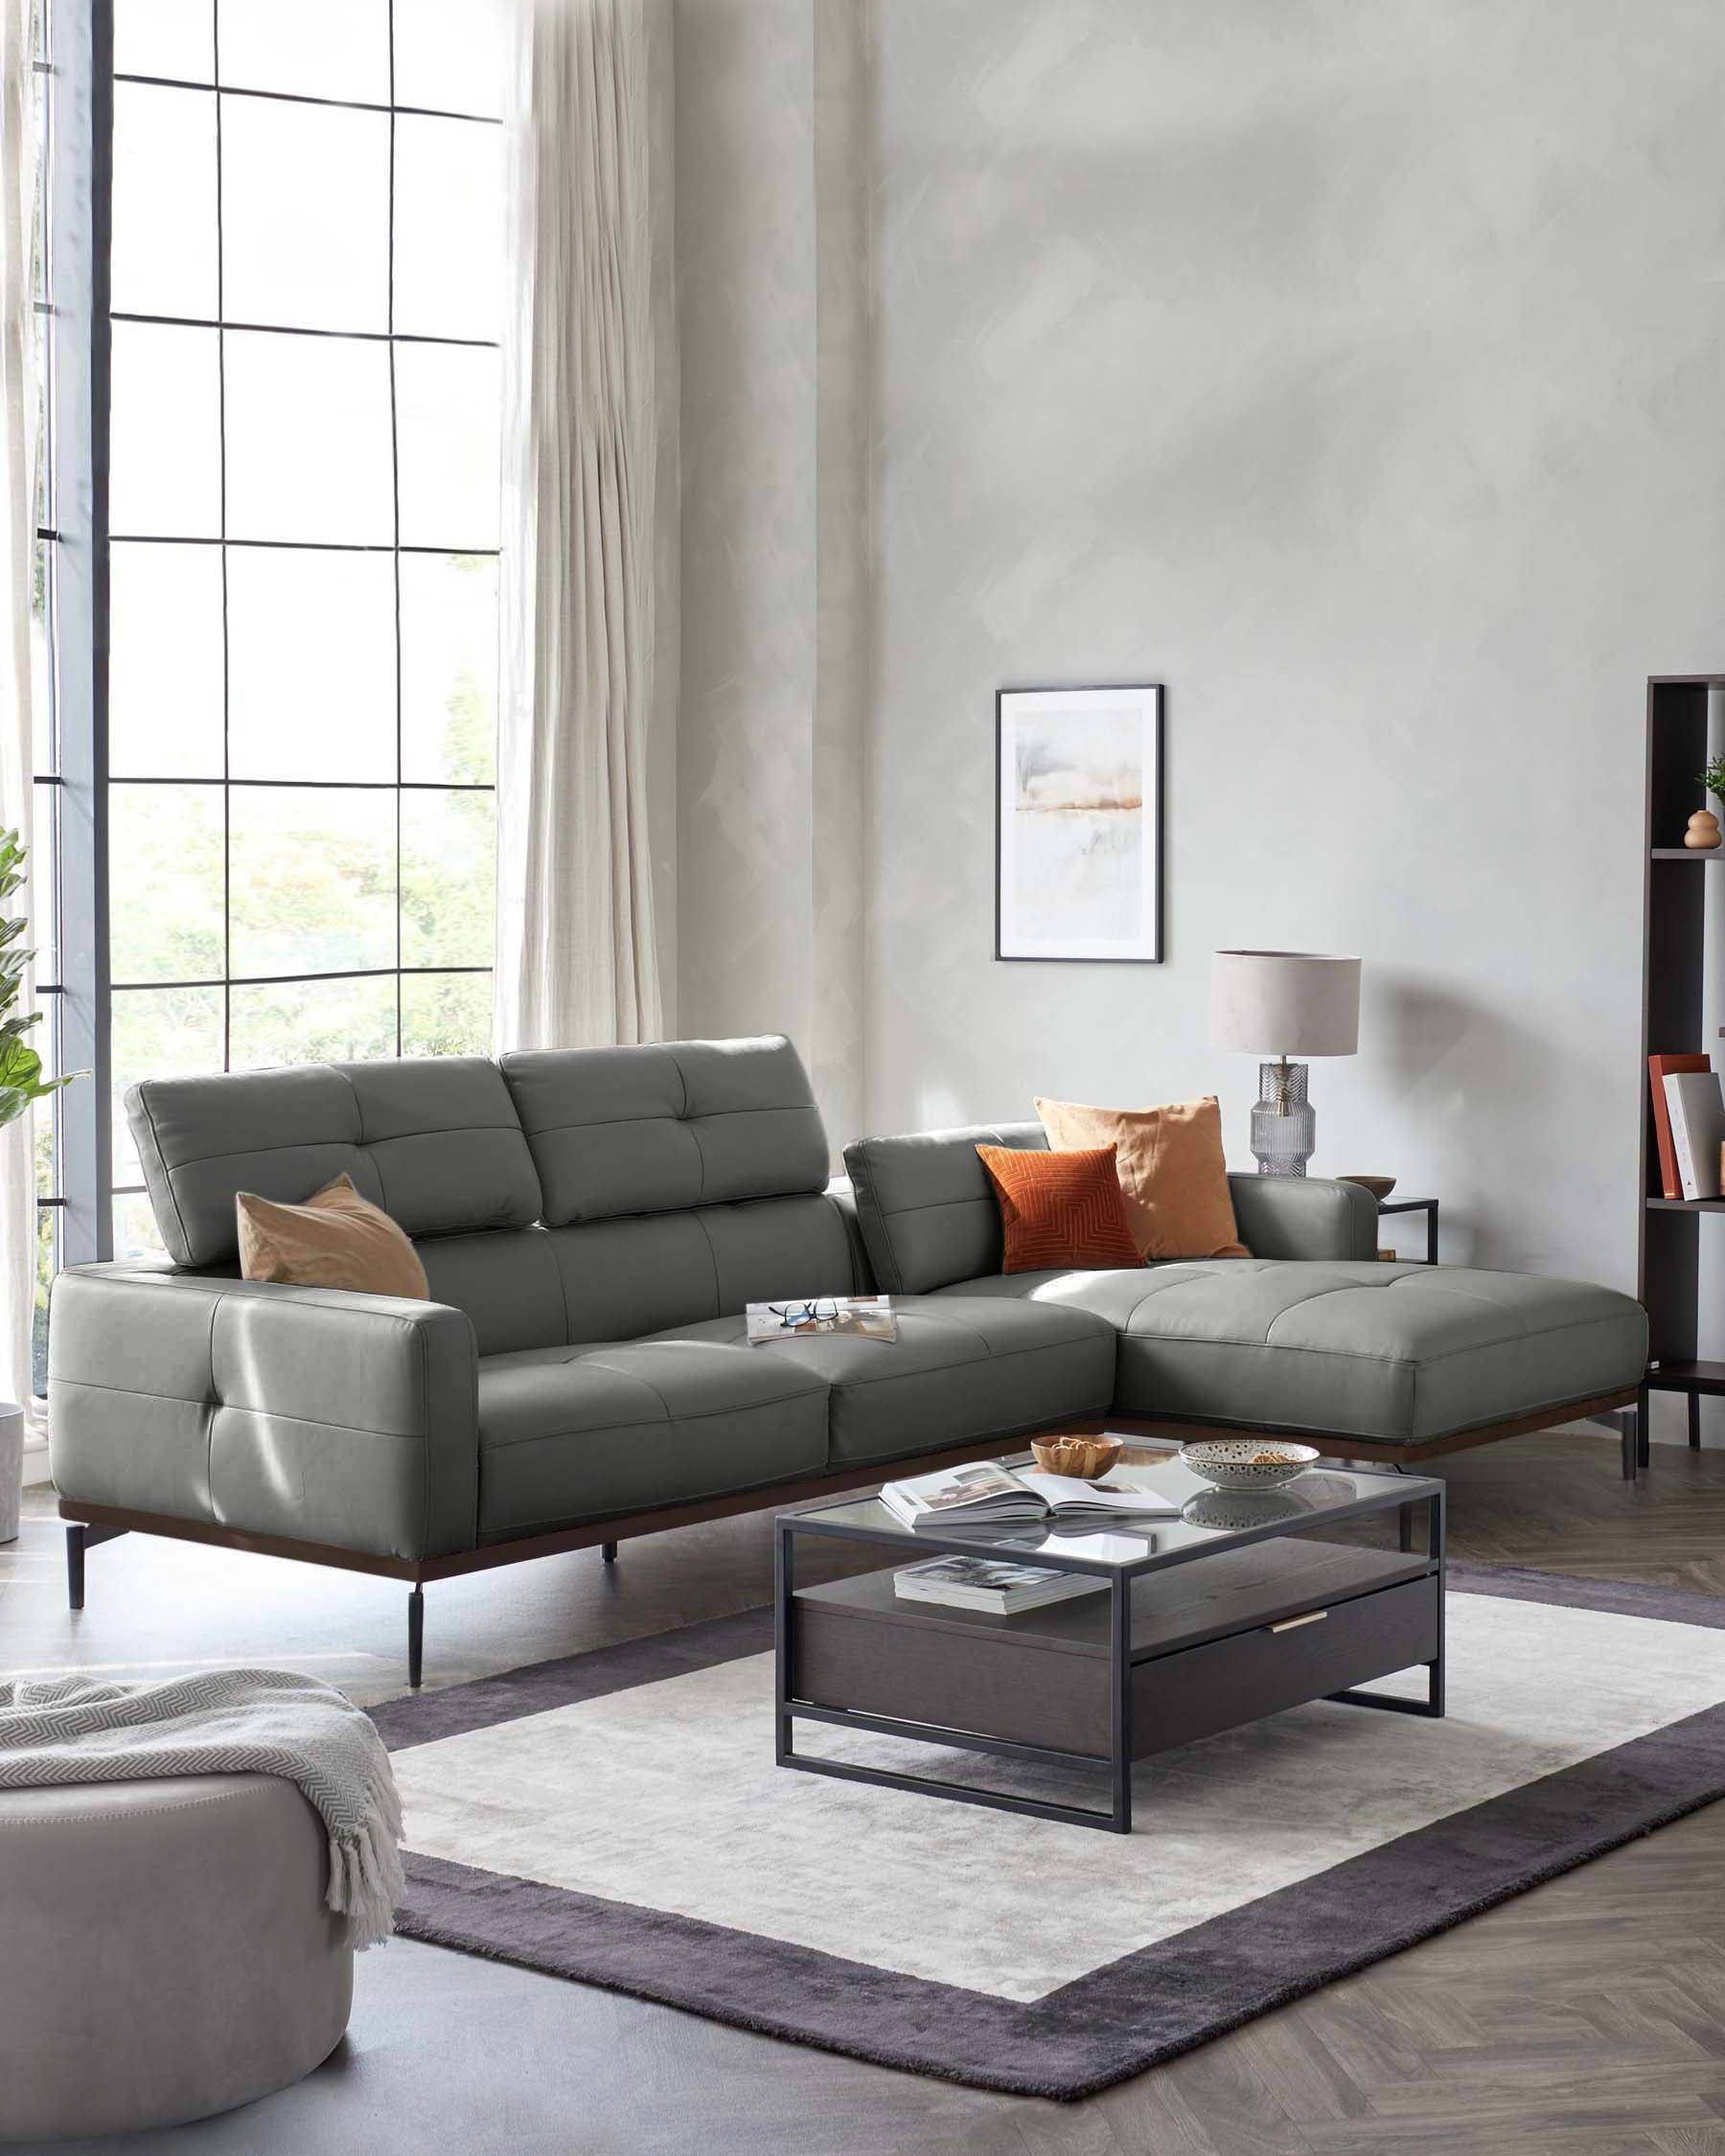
[[1394, 1353], [568, 1434], [960, 1371]]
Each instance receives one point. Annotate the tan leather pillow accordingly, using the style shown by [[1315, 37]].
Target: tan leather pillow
[[1172, 1170], [336, 1239]]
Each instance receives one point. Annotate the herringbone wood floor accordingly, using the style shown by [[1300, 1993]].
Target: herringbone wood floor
[[1584, 2019]]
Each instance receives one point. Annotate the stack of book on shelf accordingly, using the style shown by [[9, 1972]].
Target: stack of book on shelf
[[989, 1584], [1689, 1124]]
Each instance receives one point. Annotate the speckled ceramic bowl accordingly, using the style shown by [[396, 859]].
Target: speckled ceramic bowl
[[1248, 1463]]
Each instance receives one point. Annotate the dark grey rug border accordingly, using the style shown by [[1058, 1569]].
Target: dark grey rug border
[[483, 1702], [1117, 2020]]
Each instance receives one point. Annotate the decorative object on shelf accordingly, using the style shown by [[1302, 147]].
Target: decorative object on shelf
[[1659, 1069], [1380, 1187], [1078, 824], [1713, 778], [1248, 1463], [1083, 1458], [1703, 831], [1298, 1002], [1697, 1112]]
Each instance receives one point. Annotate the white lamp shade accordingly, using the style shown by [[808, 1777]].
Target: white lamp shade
[[1285, 1003]]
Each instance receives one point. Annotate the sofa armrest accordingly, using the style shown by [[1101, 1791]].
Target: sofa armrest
[[308, 1412], [1304, 1217], [927, 1212]]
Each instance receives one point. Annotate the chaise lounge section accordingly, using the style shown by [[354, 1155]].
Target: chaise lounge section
[[592, 1222], [1313, 1336]]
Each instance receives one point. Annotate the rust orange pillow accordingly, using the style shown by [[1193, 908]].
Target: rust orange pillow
[[1060, 1212], [1172, 1170]]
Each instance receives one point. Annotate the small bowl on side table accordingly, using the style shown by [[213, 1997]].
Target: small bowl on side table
[[1248, 1463], [1083, 1458]]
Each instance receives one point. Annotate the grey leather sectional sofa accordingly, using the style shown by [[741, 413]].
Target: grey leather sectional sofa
[[593, 1221]]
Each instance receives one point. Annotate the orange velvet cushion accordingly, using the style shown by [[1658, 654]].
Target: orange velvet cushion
[[336, 1239], [1172, 1170], [1060, 1210]]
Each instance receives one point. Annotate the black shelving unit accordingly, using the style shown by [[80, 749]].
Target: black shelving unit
[[1673, 958]]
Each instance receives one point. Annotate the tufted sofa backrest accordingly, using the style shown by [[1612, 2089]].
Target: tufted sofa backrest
[[655, 1130], [434, 1140], [563, 1197]]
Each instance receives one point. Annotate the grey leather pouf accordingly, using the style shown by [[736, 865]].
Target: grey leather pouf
[[165, 1952]]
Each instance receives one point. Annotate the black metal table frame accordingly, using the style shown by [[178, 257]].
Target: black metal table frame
[[1426, 1206], [789, 1710]]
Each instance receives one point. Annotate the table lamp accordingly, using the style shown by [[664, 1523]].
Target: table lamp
[[1298, 1003]]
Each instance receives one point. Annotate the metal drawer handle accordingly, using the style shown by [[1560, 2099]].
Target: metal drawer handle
[[1293, 1623]]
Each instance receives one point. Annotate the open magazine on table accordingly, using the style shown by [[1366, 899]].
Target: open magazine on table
[[986, 1494]]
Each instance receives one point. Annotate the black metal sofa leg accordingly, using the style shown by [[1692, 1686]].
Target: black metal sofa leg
[[81, 1537], [1636, 1424], [416, 1636], [608, 1551]]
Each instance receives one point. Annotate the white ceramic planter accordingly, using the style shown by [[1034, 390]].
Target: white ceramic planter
[[11, 1468]]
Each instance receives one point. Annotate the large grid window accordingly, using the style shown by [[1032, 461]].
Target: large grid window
[[302, 531], [41, 893]]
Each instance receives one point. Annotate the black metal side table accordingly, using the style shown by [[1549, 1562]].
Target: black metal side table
[[1426, 1206]]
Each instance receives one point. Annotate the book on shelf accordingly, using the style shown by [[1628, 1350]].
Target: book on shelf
[[988, 1495], [1659, 1069], [806, 1316], [1697, 1113], [991, 1584]]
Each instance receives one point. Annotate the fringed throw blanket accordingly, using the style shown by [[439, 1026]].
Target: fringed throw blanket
[[66, 1730]]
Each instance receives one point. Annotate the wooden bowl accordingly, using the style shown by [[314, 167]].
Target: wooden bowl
[[1084, 1457], [1380, 1187]]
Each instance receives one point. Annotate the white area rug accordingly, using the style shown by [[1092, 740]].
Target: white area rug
[[619, 1817]]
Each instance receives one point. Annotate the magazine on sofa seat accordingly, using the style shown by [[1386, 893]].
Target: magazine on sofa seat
[[805, 1317]]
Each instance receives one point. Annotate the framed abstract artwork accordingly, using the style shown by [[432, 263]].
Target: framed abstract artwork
[[1078, 824]]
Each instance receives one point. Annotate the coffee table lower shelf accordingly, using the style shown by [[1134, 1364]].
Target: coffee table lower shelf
[[1141, 1666]]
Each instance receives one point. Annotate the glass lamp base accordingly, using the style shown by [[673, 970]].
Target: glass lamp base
[[1284, 1126]]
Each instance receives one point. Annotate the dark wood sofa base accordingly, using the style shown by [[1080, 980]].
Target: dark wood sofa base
[[87, 1524]]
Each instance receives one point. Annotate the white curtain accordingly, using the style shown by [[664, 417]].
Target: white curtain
[[17, 552], [576, 962]]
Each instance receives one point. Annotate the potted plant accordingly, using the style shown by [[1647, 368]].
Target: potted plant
[[21, 1086], [1703, 830]]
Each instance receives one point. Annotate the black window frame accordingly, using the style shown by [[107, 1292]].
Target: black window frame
[[80, 65]]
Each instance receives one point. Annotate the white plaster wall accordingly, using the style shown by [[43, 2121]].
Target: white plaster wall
[[746, 316], [1356, 368]]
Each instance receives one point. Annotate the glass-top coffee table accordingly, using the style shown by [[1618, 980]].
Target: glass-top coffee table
[[1246, 1604]]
